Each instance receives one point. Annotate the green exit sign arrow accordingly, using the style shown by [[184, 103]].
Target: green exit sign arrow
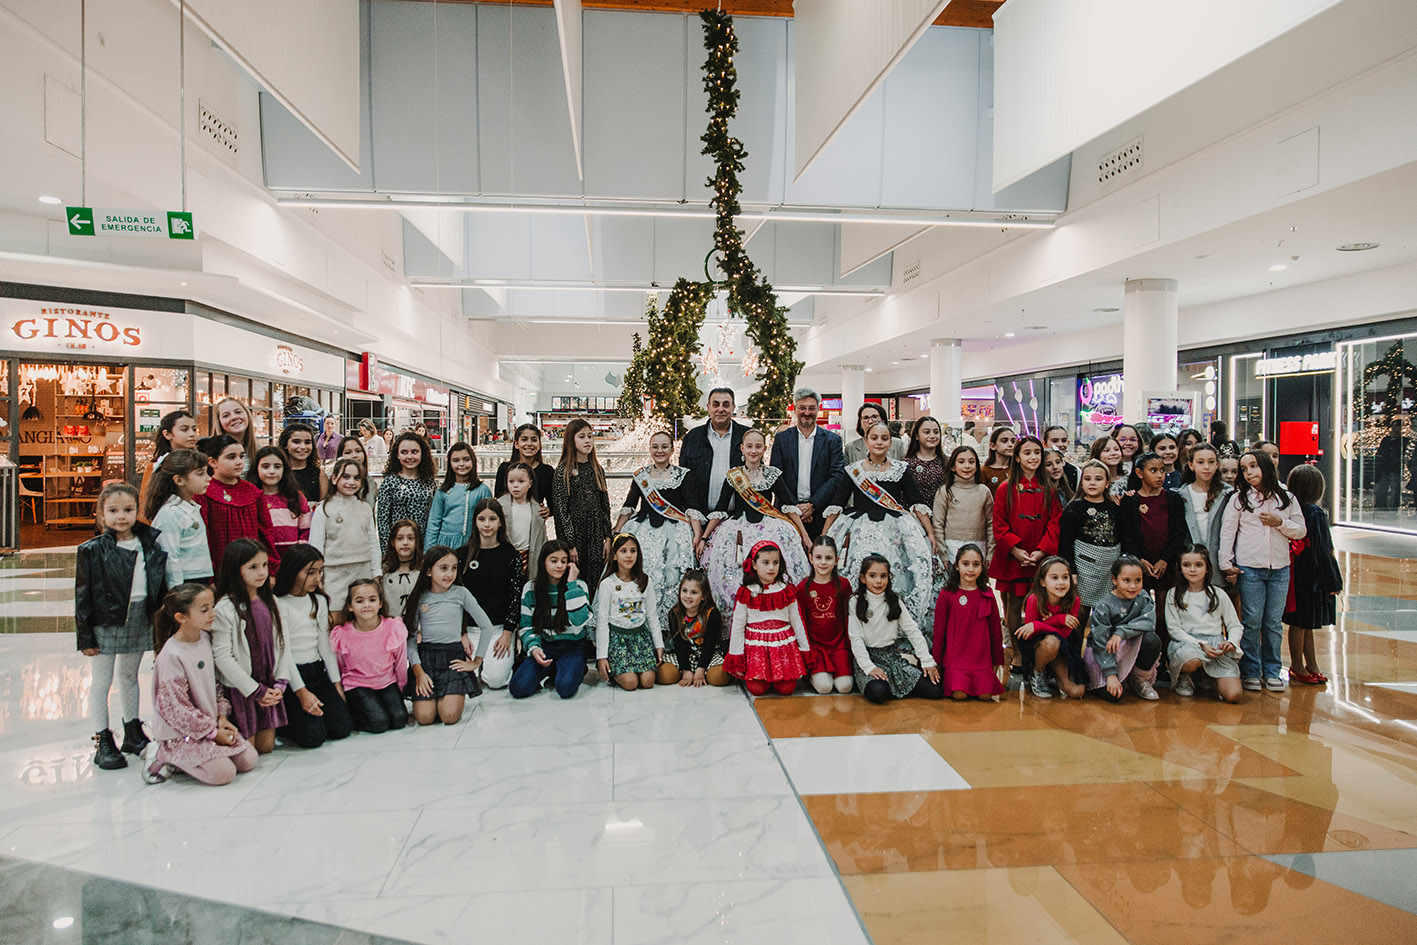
[[146, 224]]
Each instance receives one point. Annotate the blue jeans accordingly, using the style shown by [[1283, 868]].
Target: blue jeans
[[568, 667], [1263, 592]]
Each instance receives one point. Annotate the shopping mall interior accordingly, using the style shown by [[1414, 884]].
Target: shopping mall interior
[[367, 240]]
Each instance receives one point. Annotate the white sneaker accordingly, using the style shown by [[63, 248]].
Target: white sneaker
[[1252, 684], [1184, 685], [1038, 685], [1274, 685]]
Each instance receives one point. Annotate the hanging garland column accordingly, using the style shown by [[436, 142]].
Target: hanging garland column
[[670, 377], [749, 294]]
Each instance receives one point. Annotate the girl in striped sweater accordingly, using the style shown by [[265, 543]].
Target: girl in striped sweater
[[555, 626]]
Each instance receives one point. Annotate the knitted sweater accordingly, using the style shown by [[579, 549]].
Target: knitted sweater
[[183, 535], [577, 615]]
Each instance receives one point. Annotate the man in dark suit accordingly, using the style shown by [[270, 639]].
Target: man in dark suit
[[710, 450], [810, 458]]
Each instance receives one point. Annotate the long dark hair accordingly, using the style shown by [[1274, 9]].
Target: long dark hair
[[288, 489], [345, 615], [1151, 447], [543, 616], [351, 438], [162, 439], [1095, 452], [293, 560], [427, 472], [230, 584], [1039, 592], [164, 486], [531, 478], [290, 430], [451, 478], [950, 471], [1062, 486], [994, 439], [1217, 486], [1050, 494], [337, 470], [913, 446], [824, 541], [474, 540], [567, 462], [517, 435], [952, 580], [863, 606], [1269, 481], [1179, 594], [677, 614], [213, 446], [179, 600], [637, 573], [423, 583], [391, 557]]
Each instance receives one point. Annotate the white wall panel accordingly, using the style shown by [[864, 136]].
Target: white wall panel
[[623, 248], [1069, 70], [307, 54], [844, 48], [498, 246], [929, 96], [558, 248], [804, 253], [679, 249], [848, 172]]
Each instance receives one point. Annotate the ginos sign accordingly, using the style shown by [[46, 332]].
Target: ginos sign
[[77, 328]]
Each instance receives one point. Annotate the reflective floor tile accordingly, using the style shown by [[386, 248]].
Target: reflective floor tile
[[855, 764], [853, 715], [707, 768], [781, 912], [1384, 875], [1008, 759], [1030, 904]]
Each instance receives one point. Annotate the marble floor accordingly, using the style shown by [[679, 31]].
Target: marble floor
[[703, 816]]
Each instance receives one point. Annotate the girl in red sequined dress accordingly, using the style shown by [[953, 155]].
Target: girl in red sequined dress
[[768, 640]]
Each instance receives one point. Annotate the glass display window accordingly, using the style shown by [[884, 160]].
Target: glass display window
[[1376, 388]]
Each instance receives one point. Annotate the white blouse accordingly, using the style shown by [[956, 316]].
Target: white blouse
[[879, 631]]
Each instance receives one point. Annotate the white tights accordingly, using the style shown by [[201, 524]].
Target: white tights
[[823, 683], [103, 671]]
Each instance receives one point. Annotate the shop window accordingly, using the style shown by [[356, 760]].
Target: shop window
[[1378, 391], [1248, 400], [156, 392], [1200, 378]]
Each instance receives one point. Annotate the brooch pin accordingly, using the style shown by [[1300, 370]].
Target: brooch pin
[[963, 599], [617, 587], [813, 593], [339, 519], [225, 496], [1142, 508], [473, 564], [1091, 511], [201, 664]]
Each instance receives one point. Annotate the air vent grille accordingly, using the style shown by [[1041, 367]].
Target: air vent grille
[[219, 129], [910, 273], [1124, 161]]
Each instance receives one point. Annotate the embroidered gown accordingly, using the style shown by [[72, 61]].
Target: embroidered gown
[[657, 504], [742, 526], [884, 526]]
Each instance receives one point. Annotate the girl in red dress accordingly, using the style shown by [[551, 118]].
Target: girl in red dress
[[1026, 516], [968, 645], [1051, 614], [823, 599], [765, 622]]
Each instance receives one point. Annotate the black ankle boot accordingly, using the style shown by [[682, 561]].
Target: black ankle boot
[[134, 741], [107, 756]]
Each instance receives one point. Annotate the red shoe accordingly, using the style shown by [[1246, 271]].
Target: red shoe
[[1318, 678], [1308, 679]]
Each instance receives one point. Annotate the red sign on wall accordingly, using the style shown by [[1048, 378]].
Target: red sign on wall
[[1299, 438]]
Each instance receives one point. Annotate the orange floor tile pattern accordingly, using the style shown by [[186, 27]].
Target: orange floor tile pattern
[[1289, 817]]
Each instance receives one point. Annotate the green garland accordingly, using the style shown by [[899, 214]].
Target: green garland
[[672, 383], [749, 294]]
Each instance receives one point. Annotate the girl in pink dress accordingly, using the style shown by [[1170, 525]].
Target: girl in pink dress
[[765, 622], [286, 504], [190, 728], [969, 644]]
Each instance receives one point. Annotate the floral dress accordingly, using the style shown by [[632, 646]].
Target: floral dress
[[881, 521], [582, 511], [660, 510], [748, 512]]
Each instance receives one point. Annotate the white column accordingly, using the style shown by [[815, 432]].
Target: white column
[[946, 375], [1149, 317], [853, 395]]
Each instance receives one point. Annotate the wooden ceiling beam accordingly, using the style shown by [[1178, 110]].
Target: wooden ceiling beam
[[975, 14]]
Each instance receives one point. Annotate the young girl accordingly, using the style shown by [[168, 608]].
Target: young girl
[[1229, 470], [408, 486], [372, 650], [176, 431], [1260, 521], [400, 563], [526, 527], [248, 646], [1106, 451], [450, 518], [1055, 468], [305, 621], [1315, 577], [1122, 644], [1000, 460], [964, 507], [1204, 629], [191, 728], [1205, 496], [580, 502], [554, 626], [1168, 448], [232, 508], [526, 449], [495, 574], [438, 645], [298, 442], [1026, 514], [922, 455], [875, 624], [765, 621], [174, 512], [119, 581], [1153, 523], [1090, 534], [695, 630], [968, 641], [233, 419], [1129, 441], [659, 512], [824, 597], [342, 528], [1050, 618], [629, 643], [286, 505]]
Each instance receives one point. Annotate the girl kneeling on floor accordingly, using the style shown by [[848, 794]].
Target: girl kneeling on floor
[[554, 626], [1123, 645], [372, 650], [191, 731], [765, 622], [1205, 631], [694, 656], [440, 649], [629, 643], [1050, 616], [877, 621]]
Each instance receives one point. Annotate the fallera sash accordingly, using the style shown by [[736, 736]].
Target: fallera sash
[[873, 489], [755, 500], [656, 500]]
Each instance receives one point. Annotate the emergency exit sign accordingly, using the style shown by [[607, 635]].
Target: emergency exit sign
[[148, 224]]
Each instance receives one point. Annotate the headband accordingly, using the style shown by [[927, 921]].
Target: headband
[[752, 555]]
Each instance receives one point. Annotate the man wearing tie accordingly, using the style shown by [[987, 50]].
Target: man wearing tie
[[810, 458]]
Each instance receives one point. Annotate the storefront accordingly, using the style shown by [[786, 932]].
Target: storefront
[[396, 400], [83, 388], [1376, 381], [601, 412], [478, 418]]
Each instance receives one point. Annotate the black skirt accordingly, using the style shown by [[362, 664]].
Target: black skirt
[[437, 659]]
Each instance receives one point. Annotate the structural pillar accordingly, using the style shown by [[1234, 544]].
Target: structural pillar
[[946, 376], [853, 395], [1149, 318]]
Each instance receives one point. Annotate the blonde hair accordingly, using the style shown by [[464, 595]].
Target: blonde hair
[[248, 437]]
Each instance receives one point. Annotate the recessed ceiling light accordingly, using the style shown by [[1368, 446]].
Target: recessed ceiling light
[[48, 199], [1008, 334], [1203, 256], [868, 370], [1107, 308], [183, 284], [1279, 267], [894, 363], [1356, 247]]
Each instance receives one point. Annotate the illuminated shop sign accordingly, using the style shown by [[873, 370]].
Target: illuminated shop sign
[[1100, 399], [77, 328], [1320, 362]]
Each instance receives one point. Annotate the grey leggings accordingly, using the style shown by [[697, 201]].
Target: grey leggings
[[103, 671]]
